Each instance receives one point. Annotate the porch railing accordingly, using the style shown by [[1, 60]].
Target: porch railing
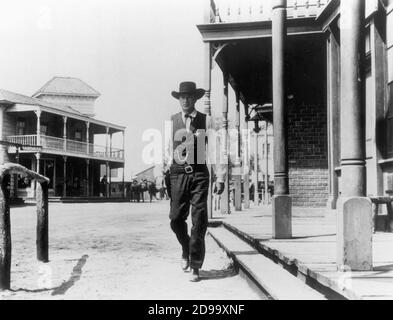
[[225, 11], [69, 146]]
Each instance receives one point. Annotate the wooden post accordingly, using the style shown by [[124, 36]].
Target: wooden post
[[208, 80], [355, 211], [65, 133], [107, 178], [87, 138], [333, 73], [107, 143], [237, 174], [255, 174], [42, 222], [38, 114], [87, 177], [282, 201], [246, 159], [124, 185], [225, 208], [266, 163], [5, 235], [64, 176]]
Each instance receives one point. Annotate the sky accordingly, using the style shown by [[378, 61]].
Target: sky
[[134, 52]]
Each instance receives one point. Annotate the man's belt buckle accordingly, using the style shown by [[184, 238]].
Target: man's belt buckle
[[189, 169]]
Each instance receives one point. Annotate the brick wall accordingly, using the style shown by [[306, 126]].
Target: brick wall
[[308, 157]]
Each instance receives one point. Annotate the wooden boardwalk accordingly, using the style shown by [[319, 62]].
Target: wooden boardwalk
[[313, 250]]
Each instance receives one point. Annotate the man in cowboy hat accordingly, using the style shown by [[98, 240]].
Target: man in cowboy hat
[[188, 176]]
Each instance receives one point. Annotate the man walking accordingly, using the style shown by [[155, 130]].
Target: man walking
[[189, 176]]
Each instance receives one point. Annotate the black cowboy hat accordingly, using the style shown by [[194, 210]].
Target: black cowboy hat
[[190, 88]]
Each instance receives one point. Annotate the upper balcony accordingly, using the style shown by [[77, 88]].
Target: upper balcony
[[232, 11], [67, 147]]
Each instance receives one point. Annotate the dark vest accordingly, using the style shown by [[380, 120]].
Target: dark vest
[[180, 135]]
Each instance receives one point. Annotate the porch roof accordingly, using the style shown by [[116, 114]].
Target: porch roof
[[22, 103]]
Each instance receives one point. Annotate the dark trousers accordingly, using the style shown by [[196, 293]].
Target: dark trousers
[[190, 190]]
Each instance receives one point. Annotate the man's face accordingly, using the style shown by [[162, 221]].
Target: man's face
[[187, 102]]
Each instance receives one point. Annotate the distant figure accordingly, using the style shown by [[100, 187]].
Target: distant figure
[[103, 183]]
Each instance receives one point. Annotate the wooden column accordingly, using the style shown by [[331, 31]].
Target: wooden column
[[54, 177], [65, 133], [38, 114], [64, 176], [87, 138], [107, 143], [333, 86], [208, 80], [246, 159], [107, 171], [38, 157], [255, 173], [266, 163], [87, 177], [225, 208], [5, 235], [42, 222], [124, 186], [282, 202], [237, 170], [354, 229]]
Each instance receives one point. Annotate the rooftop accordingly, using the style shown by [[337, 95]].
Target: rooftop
[[67, 86]]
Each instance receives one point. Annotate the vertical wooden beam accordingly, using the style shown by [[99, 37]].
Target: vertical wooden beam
[[5, 235], [246, 159], [282, 201], [237, 171], [208, 80], [333, 86], [255, 174], [124, 186], [107, 143], [38, 114], [225, 208], [266, 163], [65, 133], [107, 171], [64, 176], [355, 212], [87, 137], [87, 177], [42, 222]]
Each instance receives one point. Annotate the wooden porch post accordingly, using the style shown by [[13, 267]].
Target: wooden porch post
[[266, 163], [225, 208], [282, 201], [38, 114], [42, 222], [246, 159], [333, 85], [87, 137], [107, 178], [65, 133], [64, 176], [208, 67], [255, 173], [355, 213], [87, 177], [237, 173], [107, 143], [124, 185]]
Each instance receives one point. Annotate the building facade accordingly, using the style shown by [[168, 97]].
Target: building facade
[[57, 133], [239, 37]]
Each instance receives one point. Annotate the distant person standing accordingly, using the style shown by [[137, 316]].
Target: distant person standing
[[103, 183]]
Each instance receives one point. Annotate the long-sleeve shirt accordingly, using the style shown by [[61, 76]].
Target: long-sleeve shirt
[[215, 151]]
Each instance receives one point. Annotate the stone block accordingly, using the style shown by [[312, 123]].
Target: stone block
[[354, 234], [282, 217]]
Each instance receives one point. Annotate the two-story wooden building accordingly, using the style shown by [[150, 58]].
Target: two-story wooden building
[[59, 127]]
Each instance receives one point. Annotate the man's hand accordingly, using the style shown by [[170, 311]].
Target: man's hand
[[220, 187]]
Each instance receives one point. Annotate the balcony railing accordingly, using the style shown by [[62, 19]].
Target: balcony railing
[[68, 146], [225, 11]]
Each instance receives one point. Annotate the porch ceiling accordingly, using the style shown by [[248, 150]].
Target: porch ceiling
[[249, 64]]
